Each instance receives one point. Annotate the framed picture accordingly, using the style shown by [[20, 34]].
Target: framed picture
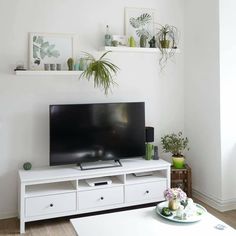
[[47, 48], [139, 21], [119, 40]]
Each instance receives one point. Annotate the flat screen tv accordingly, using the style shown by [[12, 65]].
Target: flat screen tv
[[91, 132]]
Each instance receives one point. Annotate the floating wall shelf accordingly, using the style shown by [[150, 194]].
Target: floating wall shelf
[[131, 49], [32, 72]]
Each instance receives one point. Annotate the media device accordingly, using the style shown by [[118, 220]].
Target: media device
[[98, 181], [141, 174], [149, 134], [81, 133], [156, 156]]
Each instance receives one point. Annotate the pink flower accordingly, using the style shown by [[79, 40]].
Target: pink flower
[[174, 193]]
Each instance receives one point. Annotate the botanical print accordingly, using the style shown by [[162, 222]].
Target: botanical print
[[42, 49], [49, 49], [139, 22]]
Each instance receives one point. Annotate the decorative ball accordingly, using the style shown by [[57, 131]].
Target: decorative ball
[[27, 166]]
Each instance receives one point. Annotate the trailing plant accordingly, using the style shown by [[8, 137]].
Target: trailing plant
[[167, 37], [175, 144], [101, 70]]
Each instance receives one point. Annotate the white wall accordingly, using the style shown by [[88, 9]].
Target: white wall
[[202, 97], [24, 100], [228, 98]]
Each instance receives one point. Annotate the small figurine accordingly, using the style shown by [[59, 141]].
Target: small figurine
[[152, 42]]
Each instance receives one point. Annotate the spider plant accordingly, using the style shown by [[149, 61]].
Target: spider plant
[[101, 70], [167, 39]]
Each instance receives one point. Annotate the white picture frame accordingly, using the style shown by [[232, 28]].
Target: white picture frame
[[121, 40], [50, 48], [139, 20]]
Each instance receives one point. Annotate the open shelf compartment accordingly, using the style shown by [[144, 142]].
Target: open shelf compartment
[[146, 177], [50, 188], [116, 180]]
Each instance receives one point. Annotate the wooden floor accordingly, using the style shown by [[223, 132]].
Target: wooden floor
[[62, 226]]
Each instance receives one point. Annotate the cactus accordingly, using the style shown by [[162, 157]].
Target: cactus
[[70, 63]]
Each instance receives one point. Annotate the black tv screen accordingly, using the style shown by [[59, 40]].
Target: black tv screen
[[92, 132]]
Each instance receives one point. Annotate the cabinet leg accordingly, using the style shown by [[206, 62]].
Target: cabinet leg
[[22, 227]]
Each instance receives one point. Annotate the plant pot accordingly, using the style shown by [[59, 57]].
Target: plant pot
[[165, 43], [174, 204], [178, 162], [149, 151], [143, 41]]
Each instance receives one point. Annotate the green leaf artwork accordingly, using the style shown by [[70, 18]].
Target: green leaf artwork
[[141, 23], [42, 49]]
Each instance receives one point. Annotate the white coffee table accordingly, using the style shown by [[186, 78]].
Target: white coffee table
[[145, 222]]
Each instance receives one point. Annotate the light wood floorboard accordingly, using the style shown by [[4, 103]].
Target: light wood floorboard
[[63, 227]]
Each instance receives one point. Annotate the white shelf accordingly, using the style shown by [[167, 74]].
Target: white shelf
[[135, 49], [63, 72], [48, 189]]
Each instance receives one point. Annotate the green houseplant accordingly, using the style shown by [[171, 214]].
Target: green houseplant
[[167, 37], [101, 70], [175, 144]]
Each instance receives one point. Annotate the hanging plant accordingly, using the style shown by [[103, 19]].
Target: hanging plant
[[167, 40], [102, 71]]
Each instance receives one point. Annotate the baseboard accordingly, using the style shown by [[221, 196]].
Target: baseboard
[[220, 205], [7, 215]]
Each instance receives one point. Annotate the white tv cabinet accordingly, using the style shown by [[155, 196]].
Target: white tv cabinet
[[60, 191]]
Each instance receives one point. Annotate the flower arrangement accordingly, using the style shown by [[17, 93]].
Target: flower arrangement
[[175, 194]]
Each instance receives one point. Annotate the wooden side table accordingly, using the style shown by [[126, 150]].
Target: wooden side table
[[182, 178]]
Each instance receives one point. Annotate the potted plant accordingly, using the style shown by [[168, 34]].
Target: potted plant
[[101, 70], [175, 144], [167, 37]]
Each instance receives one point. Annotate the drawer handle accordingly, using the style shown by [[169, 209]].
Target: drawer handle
[[102, 198], [147, 191], [51, 205]]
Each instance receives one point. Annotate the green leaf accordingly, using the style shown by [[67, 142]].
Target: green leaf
[[55, 53], [141, 20], [35, 51], [144, 32], [42, 53], [51, 47], [134, 22], [45, 45], [39, 40]]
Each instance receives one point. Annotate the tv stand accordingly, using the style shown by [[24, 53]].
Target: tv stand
[[100, 165], [62, 191]]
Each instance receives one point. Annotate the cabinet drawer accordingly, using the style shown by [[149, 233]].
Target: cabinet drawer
[[35, 206], [145, 192], [100, 197]]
